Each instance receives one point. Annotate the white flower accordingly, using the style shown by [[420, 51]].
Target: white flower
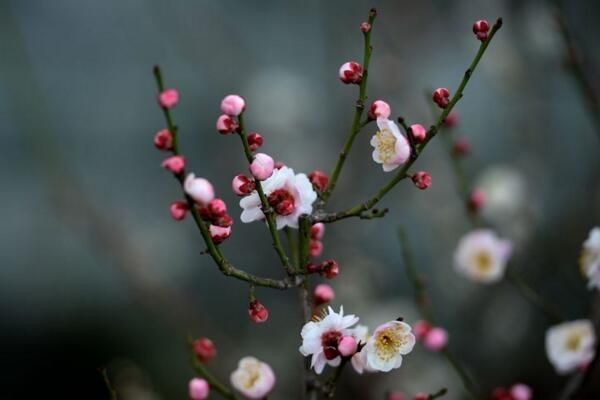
[[390, 147], [482, 256], [321, 338], [289, 195], [590, 258], [570, 345], [253, 378], [387, 345]]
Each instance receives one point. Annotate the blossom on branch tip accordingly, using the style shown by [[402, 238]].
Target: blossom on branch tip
[[391, 149], [351, 72], [175, 164], [178, 210], [168, 98], [198, 389], [204, 349], [255, 140], [283, 188], [570, 345], [482, 256], [590, 258], [226, 124], [253, 378], [242, 185], [422, 180], [379, 109], [257, 312], [262, 166], [199, 189], [163, 140], [481, 29], [233, 105], [319, 179], [322, 294], [219, 234], [441, 97], [419, 133]]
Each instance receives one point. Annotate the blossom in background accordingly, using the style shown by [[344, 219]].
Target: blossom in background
[[290, 195], [590, 258], [570, 345], [253, 378], [198, 389], [391, 148], [320, 339], [482, 256]]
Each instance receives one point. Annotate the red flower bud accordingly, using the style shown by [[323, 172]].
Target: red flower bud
[[255, 140], [480, 29], [422, 180], [329, 269], [204, 349], [257, 312], [163, 140], [441, 97], [351, 72], [316, 248], [319, 180]]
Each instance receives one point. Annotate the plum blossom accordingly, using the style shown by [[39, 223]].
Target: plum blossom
[[199, 189], [387, 345], [391, 149], [253, 378], [570, 345], [198, 389], [482, 256], [590, 258], [321, 338], [290, 195]]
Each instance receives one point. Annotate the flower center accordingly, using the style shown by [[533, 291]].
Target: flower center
[[483, 261], [282, 202], [251, 377], [386, 144], [573, 342], [330, 341], [388, 342]]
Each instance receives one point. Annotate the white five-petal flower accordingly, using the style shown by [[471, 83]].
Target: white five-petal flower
[[570, 345], [482, 256], [390, 147], [253, 378], [590, 258], [385, 348]]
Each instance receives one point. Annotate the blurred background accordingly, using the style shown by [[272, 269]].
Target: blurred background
[[94, 273]]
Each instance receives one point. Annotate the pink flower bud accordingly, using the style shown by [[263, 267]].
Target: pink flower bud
[[441, 97], [163, 140], [226, 124], [520, 391], [347, 346], [217, 208], [461, 147], [255, 140], [451, 120], [422, 180], [168, 98], [395, 396], [178, 210], [419, 132], [319, 180], [198, 389], [204, 349], [365, 27], [262, 166], [421, 396], [317, 231], [315, 248], [175, 164], [233, 105], [351, 72], [476, 200], [218, 233], [436, 339], [421, 329], [322, 294], [199, 189], [329, 269], [242, 185], [379, 108], [257, 312], [480, 29]]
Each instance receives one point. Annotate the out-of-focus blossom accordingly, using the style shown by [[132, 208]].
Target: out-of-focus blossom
[[253, 378], [482, 256], [570, 345], [198, 389], [199, 189], [590, 258]]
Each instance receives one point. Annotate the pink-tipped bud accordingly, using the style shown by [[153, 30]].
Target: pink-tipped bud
[[217, 207], [395, 396], [451, 120], [461, 147], [204, 349], [441, 97], [480, 29], [347, 346], [476, 200], [226, 124], [255, 140], [218, 233], [421, 329], [163, 140], [422, 180], [175, 164], [365, 27], [379, 108], [351, 72], [436, 339], [262, 166], [168, 98], [242, 185], [322, 294], [199, 189], [319, 180], [329, 269], [315, 248], [257, 312], [198, 389], [419, 133], [178, 210], [520, 391], [233, 105], [317, 231]]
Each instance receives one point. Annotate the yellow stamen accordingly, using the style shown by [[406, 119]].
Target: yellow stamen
[[386, 144]]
